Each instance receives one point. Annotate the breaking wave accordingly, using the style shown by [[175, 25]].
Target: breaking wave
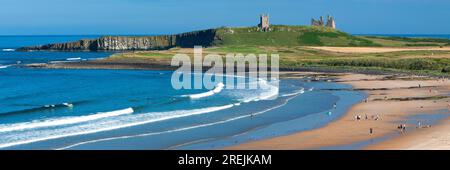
[[41, 130], [4, 66], [181, 129], [104, 123], [63, 121], [270, 92], [219, 87], [301, 91], [9, 49]]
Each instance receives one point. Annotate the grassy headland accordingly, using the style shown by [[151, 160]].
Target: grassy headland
[[287, 36], [295, 45]]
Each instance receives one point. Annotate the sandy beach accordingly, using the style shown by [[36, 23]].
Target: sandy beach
[[391, 101]]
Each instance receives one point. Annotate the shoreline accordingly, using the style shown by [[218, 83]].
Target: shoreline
[[396, 87], [318, 117], [145, 65], [347, 131]]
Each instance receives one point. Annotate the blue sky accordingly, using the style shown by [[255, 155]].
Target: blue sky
[[76, 17]]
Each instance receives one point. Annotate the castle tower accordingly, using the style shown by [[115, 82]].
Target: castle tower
[[319, 22], [264, 23], [330, 22]]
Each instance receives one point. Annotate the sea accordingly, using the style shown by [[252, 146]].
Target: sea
[[96, 109], [443, 36]]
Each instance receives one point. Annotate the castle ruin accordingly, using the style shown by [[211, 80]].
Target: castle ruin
[[331, 23], [264, 24]]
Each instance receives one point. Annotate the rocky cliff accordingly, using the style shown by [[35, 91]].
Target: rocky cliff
[[123, 43]]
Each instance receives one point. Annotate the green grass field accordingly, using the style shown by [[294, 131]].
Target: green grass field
[[281, 35], [291, 43]]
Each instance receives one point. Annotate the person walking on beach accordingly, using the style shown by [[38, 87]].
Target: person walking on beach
[[376, 117], [371, 131], [402, 128]]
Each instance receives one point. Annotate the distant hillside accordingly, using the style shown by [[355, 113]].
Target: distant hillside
[[279, 35]]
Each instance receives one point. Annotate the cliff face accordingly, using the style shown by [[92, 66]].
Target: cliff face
[[123, 43], [82, 45]]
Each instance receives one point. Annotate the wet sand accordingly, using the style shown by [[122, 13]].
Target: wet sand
[[393, 100], [434, 138]]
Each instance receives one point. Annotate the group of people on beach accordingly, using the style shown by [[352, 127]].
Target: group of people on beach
[[419, 125], [366, 117], [402, 127]]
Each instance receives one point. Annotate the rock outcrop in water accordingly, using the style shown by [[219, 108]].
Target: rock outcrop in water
[[123, 43]]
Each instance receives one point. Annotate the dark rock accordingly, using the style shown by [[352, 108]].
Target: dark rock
[[203, 38]]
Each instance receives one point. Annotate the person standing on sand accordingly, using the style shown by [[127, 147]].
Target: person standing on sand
[[371, 131], [402, 128]]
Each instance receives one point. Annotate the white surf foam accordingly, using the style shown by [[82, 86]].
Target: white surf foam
[[8, 49], [267, 91], [4, 66], [219, 87], [180, 129], [73, 59], [31, 134], [63, 121], [114, 123], [301, 91]]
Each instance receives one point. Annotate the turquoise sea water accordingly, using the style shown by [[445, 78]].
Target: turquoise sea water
[[132, 109], [445, 36]]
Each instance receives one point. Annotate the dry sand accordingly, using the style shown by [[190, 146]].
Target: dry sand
[[378, 49], [381, 101]]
